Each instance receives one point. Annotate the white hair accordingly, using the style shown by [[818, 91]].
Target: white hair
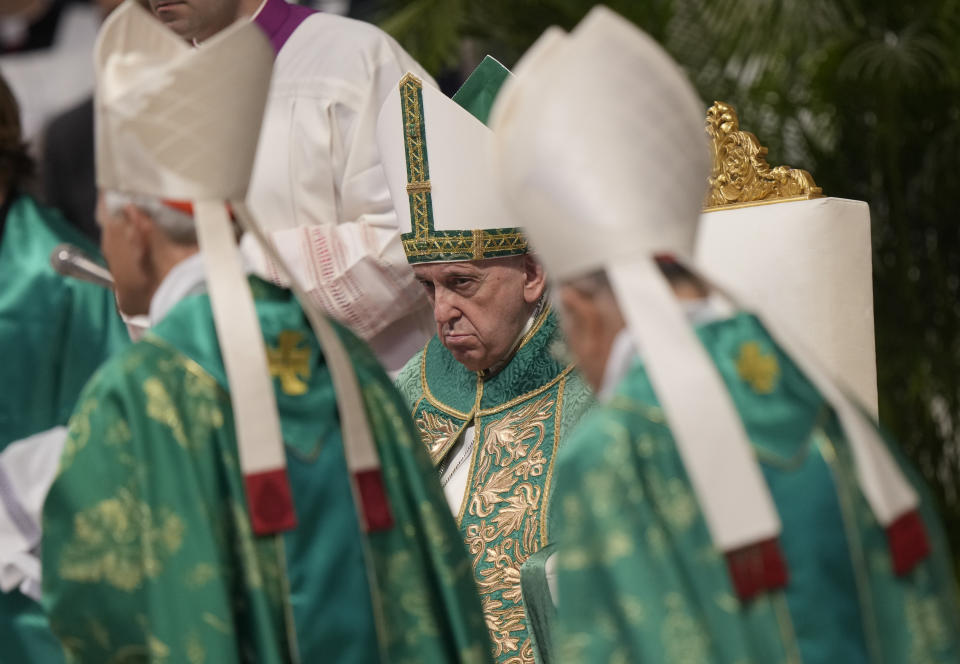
[[178, 226]]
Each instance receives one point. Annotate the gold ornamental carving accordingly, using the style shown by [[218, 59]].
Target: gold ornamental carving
[[741, 175]]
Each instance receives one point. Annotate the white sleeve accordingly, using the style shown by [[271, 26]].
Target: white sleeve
[[27, 470], [344, 243]]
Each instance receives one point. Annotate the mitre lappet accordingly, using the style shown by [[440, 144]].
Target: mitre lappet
[[181, 123], [633, 106]]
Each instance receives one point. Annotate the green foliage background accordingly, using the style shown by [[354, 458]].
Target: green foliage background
[[863, 94]]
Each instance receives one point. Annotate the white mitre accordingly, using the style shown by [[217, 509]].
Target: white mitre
[[174, 121], [436, 157], [601, 153], [182, 123], [604, 161]]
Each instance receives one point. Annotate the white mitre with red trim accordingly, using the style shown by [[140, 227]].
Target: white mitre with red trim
[[181, 124]]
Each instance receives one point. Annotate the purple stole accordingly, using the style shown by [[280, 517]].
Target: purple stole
[[278, 20]]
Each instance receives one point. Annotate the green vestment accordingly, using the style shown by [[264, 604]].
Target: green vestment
[[520, 414], [54, 332], [148, 553], [639, 579]]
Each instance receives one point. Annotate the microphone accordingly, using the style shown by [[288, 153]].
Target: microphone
[[70, 261]]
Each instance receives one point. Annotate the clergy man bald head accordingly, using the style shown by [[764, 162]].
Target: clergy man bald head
[[483, 284]]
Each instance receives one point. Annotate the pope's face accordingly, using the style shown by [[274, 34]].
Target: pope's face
[[197, 19], [481, 307]]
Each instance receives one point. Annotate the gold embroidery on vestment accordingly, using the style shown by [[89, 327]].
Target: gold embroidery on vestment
[[437, 432], [432, 400], [529, 395], [507, 487], [759, 370], [290, 363], [557, 423], [121, 541], [160, 408], [502, 494]]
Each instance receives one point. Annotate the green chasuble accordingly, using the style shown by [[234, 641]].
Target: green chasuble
[[148, 554], [640, 581], [54, 333], [520, 414]]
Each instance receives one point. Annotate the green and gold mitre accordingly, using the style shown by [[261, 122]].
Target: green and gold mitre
[[435, 151]]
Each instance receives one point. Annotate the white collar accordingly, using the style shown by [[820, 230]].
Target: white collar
[[623, 351], [706, 309], [187, 277]]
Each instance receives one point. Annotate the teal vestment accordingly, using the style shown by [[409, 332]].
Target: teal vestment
[[520, 415], [155, 561], [54, 332], [640, 580]]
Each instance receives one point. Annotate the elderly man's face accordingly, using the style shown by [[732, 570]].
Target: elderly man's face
[[590, 325], [198, 19], [581, 322], [481, 307]]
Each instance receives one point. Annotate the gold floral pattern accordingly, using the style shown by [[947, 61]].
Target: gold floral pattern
[[191, 419], [160, 408], [503, 517], [121, 541], [437, 432], [518, 417], [683, 638]]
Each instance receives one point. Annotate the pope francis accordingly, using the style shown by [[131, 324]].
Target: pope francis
[[489, 396]]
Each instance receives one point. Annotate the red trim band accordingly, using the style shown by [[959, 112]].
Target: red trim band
[[373, 499], [757, 568], [270, 502], [909, 544]]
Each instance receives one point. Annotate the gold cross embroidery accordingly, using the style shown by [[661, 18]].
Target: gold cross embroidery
[[289, 363], [758, 370]]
